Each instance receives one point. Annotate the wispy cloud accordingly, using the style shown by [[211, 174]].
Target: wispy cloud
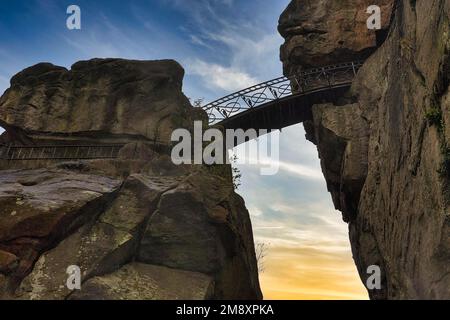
[[196, 40], [298, 170], [254, 211], [201, 11], [247, 51], [252, 51], [217, 76]]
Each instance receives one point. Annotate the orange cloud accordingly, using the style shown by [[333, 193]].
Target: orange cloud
[[310, 274]]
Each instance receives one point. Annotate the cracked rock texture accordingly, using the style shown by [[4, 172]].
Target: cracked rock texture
[[386, 158], [97, 98], [138, 227], [324, 32]]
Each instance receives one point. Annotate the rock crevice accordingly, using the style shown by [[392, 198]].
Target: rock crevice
[[138, 227], [385, 157]]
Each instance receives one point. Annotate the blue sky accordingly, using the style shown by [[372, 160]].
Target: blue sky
[[231, 37], [224, 45]]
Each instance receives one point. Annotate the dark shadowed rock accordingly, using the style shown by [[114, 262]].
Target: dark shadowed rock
[[8, 262], [341, 135], [103, 214], [137, 281], [198, 227], [386, 158]]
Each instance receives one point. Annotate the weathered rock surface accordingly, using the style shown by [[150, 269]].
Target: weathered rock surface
[[341, 135], [38, 208], [101, 246], [386, 158], [328, 32], [138, 227], [147, 282], [151, 220], [199, 231], [98, 98]]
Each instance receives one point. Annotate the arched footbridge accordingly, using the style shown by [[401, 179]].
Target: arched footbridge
[[283, 101], [273, 104]]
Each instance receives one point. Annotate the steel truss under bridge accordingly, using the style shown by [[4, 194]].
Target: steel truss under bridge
[[308, 86]]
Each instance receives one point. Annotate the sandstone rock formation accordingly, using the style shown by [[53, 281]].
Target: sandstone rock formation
[[327, 32], [138, 227], [385, 157], [147, 282], [98, 98]]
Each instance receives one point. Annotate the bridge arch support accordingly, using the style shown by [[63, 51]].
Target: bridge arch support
[[283, 101]]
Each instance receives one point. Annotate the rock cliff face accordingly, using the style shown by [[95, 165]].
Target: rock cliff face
[[138, 227], [100, 97], [328, 32], [386, 158]]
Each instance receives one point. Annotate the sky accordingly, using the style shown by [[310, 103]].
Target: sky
[[224, 46]]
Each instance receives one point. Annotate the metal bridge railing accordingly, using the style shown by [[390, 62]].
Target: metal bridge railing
[[270, 91], [59, 152]]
